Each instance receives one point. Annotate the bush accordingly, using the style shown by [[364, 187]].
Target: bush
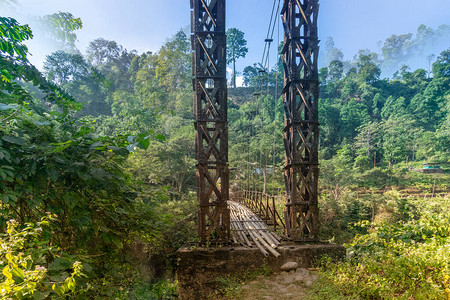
[[375, 178], [408, 260], [31, 267]]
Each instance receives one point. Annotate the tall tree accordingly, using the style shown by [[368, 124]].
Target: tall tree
[[61, 67], [441, 68], [335, 70], [250, 73], [236, 48], [101, 51], [73, 73], [395, 48], [330, 53], [368, 71]]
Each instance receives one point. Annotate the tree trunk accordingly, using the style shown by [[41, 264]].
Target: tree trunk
[[234, 72], [375, 159]]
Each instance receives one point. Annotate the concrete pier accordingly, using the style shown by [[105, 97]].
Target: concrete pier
[[198, 268]]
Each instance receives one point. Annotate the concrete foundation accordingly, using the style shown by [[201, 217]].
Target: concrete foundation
[[198, 268]]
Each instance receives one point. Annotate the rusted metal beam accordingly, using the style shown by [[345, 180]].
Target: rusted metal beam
[[210, 112], [301, 131]]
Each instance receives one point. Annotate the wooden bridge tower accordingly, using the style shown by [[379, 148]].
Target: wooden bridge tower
[[301, 131], [210, 112]]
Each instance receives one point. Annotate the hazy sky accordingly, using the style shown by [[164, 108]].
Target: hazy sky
[[145, 24]]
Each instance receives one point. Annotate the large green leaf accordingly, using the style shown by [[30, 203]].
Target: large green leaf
[[14, 140], [4, 106]]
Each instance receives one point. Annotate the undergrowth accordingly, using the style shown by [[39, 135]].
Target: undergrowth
[[407, 259], [231, 285]]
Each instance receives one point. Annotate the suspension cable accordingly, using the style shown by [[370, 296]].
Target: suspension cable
[[275, 105], [268, 30], [265, 64]]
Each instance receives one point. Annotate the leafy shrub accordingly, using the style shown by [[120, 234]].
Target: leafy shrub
[[31, 267], [375, 177], [163, 289], [51, 161], [408, 260]]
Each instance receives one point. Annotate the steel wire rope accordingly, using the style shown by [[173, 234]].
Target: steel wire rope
[[268, 30], [275, 103], [253, 125], [266, 65]]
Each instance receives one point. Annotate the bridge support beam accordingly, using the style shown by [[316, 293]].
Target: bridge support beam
[[301, 131], [210, 112]]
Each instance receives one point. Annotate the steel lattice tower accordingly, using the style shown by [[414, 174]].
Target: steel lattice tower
[[301, 131], [210, 112]]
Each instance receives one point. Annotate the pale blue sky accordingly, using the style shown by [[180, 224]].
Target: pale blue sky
[[145, 24]]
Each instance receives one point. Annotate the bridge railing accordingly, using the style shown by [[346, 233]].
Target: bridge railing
[[263, 205]]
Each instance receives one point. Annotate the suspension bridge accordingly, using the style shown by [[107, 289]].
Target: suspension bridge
[[250, 220], [300, 132]]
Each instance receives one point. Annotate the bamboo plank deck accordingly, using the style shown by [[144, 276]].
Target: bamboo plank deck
[[249, 230]]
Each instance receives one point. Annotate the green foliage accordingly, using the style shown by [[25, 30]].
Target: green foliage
[[165, 290], [368, 71], [414, 255], [61, 26], [375, 178], [101, 51], [330, 53], [15, 67], [73, 73], [46, 150], [391, 120], [236, 45], [336, 69], [230, 286], [395, 49], [161, 289], [173, 63], [11, 36], [51, 161], [441, 66], [60, 67], [31, 267]]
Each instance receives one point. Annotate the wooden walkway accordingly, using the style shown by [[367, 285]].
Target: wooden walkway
[[249, 230]]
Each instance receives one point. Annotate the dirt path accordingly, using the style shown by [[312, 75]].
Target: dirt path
[[282, 286]]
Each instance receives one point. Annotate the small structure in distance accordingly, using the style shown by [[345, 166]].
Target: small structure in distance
[[431, 168]]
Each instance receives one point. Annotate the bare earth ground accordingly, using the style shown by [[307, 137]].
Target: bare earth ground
[[282, 286]]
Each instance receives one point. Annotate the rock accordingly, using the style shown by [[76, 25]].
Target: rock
[[289, 266], [289, 296], [304, 272], [288, 279]]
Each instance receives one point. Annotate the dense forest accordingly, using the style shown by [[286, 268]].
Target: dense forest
[[97, 168]]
